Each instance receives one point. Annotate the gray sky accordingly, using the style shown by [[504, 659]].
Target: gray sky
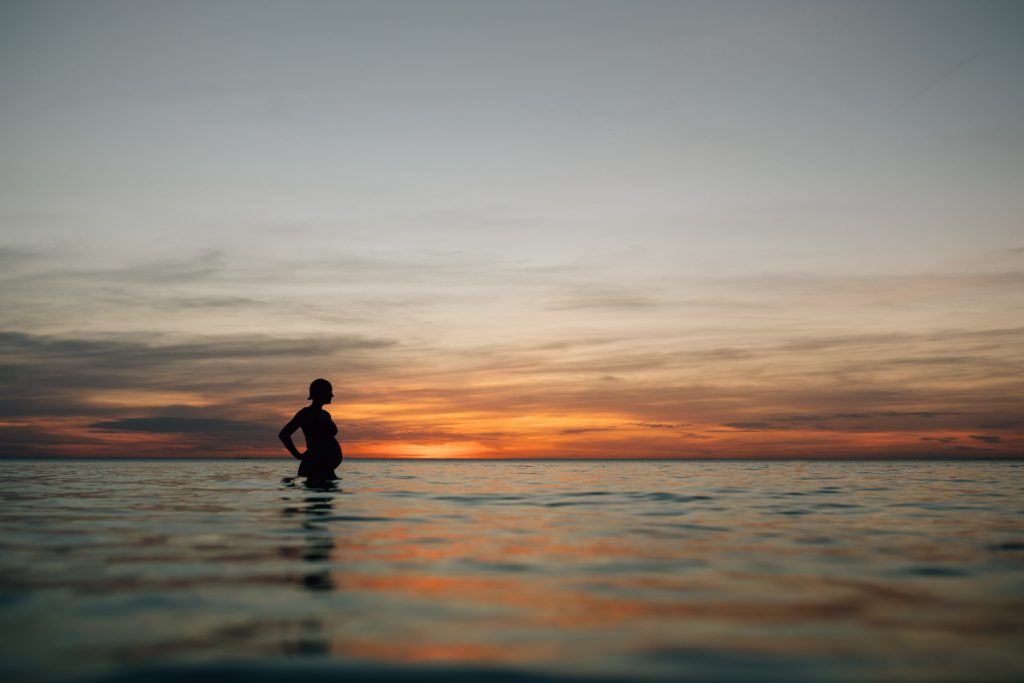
[[518, 196]]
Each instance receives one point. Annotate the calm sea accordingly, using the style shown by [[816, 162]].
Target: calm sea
[[512, 571]]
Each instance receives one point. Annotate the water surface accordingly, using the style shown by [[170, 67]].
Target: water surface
[[568, 571]]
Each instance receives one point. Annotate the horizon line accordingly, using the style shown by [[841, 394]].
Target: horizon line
[[902, 458]]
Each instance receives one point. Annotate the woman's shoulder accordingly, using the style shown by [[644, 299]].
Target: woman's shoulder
[[312, 413]]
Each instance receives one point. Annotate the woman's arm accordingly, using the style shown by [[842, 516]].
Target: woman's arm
[[286, 437]]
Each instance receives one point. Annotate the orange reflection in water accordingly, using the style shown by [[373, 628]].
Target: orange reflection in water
[[439, 651]]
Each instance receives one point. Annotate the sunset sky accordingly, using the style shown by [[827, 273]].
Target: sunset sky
[[513, 229]]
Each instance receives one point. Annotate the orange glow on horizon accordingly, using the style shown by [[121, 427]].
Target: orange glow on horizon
[[401, 449], [388, 431]]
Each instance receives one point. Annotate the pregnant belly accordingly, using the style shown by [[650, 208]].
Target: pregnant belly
[[326, 453]]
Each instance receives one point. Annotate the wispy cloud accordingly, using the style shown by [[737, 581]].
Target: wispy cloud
[[946, 74], [610, 300], [180, 425], [56, 375], [896, 413], [754, 426]]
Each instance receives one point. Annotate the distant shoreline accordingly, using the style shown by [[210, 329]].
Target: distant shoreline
[[873, 459]]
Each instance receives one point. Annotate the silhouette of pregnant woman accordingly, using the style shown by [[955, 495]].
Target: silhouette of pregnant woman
[[323, 453]]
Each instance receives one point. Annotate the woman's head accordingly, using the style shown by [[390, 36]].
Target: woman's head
[[320, 390]]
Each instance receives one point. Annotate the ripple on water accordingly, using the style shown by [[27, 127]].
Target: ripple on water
[[482, 499], [934, 571], [361, 518], [1011, 546], [667, 497]]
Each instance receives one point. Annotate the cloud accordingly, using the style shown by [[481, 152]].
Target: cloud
[[35, 363], [134, 352], [179, 425], [754, 426], [577, 342], [362, 431], [52, 375], [870, 289], [947, 73], [985, 438], [229, 302], [187, 269], [30, 440], [190, 269], [659, 425], [896, 413], [1003, 424], [623, 301], [11, 256], [899, 419]]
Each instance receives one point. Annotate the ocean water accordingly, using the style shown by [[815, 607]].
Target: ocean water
[[512, 571]]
